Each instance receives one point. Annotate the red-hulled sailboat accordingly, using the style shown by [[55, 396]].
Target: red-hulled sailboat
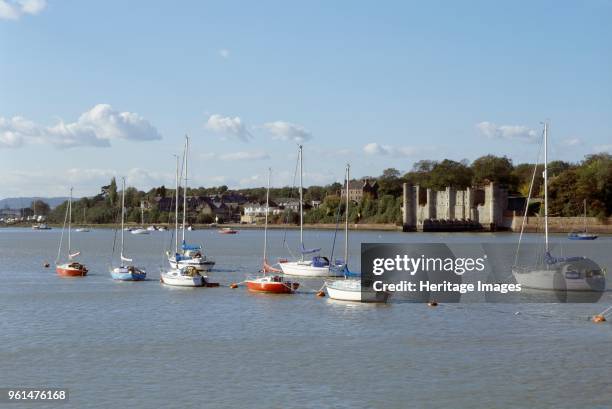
[[70, 268], [271, 279]]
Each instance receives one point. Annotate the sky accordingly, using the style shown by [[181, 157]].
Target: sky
[[95, 89]]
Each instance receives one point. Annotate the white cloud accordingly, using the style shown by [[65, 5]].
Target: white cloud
[[147, 179], [256, 155], [510, 132], [224, 53], [96, 127], [602, 148], [374, 148], [228, 126], [572, 142], [287, 131], [14, 9], [207, 155], [86, 181]]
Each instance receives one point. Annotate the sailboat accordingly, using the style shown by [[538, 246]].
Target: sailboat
[[349, 288], [270, 281], [584, 234], [83, 229], [190, 255], [318, 266], [557, 273], [186, 276], [39, 226], [126, 272], [140, 230], [70, 268]]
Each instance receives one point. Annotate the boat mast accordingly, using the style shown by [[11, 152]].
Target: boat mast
[[69, 219], [266, 225], [585, 217], [176, 207], [545, 174], [122, 215], [346, 221], [185, 187], [142, 213], [301, 205]]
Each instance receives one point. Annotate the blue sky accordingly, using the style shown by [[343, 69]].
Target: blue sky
[[93, 89]]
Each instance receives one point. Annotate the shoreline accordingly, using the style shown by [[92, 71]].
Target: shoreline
[[601, 229]]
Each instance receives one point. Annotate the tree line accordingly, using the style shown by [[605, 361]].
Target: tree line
[[569, 185]]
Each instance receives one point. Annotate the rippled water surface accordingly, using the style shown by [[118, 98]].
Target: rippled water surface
[[144, 345]]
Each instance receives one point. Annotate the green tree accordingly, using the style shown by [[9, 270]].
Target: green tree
[[491, 168], [523, 174], [421, 173], [450, 173], [557, 166], [112, 192], [390, 183], [161, 191], [40, 208]]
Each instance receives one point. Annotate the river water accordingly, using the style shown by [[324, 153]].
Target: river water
[[144, 345]]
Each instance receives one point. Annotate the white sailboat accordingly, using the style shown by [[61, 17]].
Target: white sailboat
[[140, 230], [349, 288], [83, 229], [318, 266], [557, 273], [126, 271], [185, 276], [189, 255]]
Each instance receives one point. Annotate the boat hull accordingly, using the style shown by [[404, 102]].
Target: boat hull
[[175, 278], [199, 264], [557, 280], [71, 270], [306, 269], [343, 295], [278, 287], [128, 274], [351, 290], [584, 237]]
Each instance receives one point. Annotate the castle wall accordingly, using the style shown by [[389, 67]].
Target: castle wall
[[453, 209]]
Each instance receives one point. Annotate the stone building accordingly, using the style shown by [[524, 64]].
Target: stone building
[[475, 208], [358, 188]]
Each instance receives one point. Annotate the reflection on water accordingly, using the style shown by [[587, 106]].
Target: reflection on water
[[143, 345]]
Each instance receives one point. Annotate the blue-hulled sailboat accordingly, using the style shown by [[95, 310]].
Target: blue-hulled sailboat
[[126, 271], [190, 255], [582, 235]]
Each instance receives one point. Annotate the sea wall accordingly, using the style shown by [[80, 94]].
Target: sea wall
[[561, 224]]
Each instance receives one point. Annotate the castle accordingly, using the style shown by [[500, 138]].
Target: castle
[[478, 208]]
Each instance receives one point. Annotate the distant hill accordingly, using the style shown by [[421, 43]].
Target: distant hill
[[20, 202]]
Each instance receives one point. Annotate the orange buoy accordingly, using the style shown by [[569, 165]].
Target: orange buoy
[[46, 265], [321, 293], [432, 304], [598, 319], [233, 285]]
